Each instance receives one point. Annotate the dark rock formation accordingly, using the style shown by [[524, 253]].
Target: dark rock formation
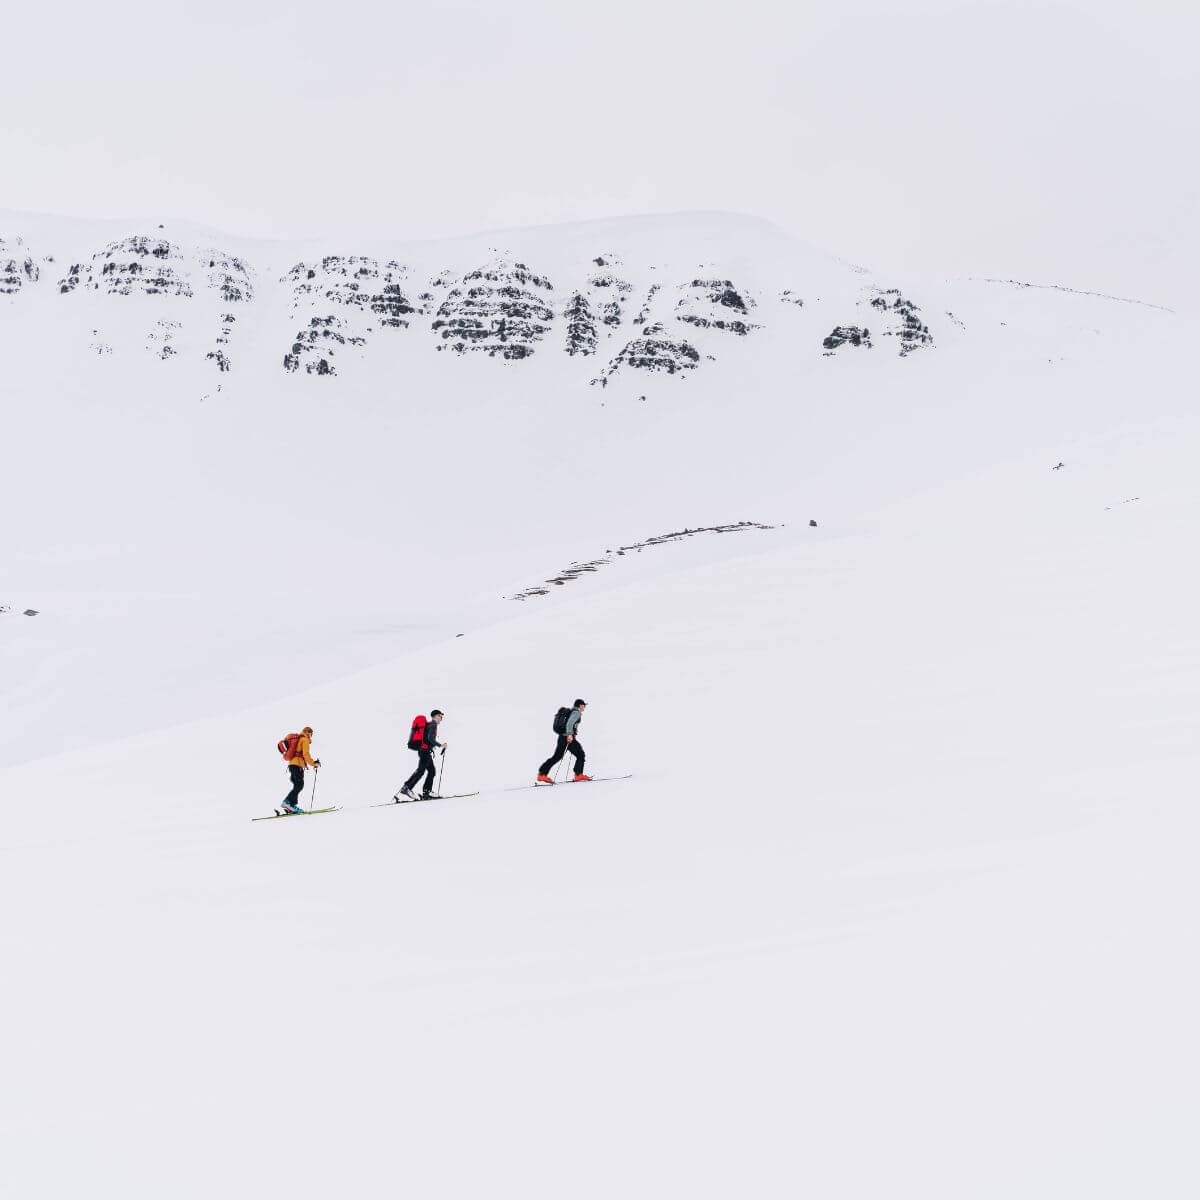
[[160, 340], [353, 282], [738, 327], [707, 303], [651, 353], [575, 570], [644, 314], [315, 346], [132, 266], [502, 309], [581, 326], [722, 292], [906, 319], [17, 268], [230, 276], [847, 335], [363, 288]]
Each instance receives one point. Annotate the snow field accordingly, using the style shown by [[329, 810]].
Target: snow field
[[899, 901]]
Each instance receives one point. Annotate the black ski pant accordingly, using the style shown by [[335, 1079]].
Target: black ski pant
[[424, 767], [297, 774], [561, 749]]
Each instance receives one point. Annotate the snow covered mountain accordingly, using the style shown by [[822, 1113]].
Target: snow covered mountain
[[652, 308], [879, 587]]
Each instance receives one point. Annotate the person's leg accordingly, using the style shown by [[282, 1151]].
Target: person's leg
[[430, 770], [556, 757], [292, 799], [577, 751], [408, 783]]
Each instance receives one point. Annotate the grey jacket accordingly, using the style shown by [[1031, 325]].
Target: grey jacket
[[572, 723]]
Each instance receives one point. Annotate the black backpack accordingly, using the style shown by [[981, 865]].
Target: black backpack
[[560, 721]]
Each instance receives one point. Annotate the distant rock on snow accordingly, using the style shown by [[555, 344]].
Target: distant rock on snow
[[652, 319]]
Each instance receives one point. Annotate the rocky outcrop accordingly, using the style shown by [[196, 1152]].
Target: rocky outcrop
[[132, 266], [581, 326], [905, 319], [502, 309], [367, 293], [739, 327], [647, 304], [316, 346], [721, 292], [653, 352], [354, 282], [609, 293], [846, 335], [600, 303], [17, 268], [230, 276], [341, 303], [578, 569], [161, 339], [233, 280], [709, 303]]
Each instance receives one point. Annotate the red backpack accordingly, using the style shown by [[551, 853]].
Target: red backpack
[[287, 747], [416, 736]]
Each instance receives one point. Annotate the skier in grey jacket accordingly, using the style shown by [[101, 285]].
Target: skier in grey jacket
[[567, 740]]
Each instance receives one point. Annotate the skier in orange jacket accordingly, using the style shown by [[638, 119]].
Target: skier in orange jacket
[[298, 762]]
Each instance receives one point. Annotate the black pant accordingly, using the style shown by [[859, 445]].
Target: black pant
[[561, 749], [297, 774], [424, 767]]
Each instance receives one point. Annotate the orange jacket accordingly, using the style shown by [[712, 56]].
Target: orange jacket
[[303, 756]]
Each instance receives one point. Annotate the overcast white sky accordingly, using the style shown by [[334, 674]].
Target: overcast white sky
[[968, 137]]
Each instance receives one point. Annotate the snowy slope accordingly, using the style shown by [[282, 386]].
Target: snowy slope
[[897, 901], [212, 530]]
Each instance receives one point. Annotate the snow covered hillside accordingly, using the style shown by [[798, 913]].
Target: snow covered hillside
[[880, 588]]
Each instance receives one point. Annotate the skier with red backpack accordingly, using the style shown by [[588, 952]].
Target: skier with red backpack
[[422, 738], [566, 725], [296, 749]]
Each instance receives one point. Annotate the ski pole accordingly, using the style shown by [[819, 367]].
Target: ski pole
[[312, 799], [442, 774]]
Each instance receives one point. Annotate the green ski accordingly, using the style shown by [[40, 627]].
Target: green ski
[[304, 812]]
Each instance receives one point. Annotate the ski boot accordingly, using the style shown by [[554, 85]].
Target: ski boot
[[583, 779], [544, 779]]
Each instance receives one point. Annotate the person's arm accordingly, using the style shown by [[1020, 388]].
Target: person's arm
[[306, 753], [572, 724]]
